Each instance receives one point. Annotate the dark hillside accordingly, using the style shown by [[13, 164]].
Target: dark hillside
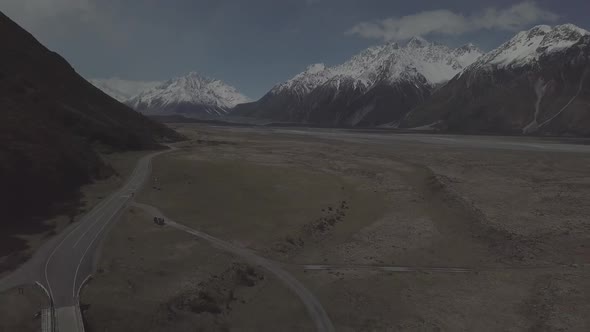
[[52, 122]]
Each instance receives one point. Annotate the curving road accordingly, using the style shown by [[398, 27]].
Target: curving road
[[63, 264], [313, 306]]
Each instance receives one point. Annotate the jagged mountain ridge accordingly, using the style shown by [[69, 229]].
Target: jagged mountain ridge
[[377, 86], [536, 83], [526, 47], [191, 94]]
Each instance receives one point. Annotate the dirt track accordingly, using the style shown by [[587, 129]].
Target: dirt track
[[314, 308]]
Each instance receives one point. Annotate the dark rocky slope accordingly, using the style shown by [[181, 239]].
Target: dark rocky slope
[[52, 124], [547, 96]]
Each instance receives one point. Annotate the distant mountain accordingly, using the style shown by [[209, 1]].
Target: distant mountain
[[191, 95], [51, 125], [379, 85], [121, 89], [536, 83]]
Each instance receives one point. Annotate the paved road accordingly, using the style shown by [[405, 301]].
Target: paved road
[[314, 307], [63, 264]]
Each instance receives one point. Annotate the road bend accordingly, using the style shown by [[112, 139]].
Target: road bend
[[314, 307], [63, 264]]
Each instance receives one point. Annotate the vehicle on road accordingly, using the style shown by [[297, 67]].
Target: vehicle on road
[[159, 221]]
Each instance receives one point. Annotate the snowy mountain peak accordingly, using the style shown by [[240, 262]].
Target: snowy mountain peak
[[315, 68], [194, 76], [390, 46], [563, 36], [527, 46], [571, 28], [417, 42], [191, 89], [467, 48], [189, 82], [537, 30], [302, 83], [467, 54]]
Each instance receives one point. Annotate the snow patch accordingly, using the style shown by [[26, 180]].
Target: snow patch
[[427, 127], [580, 86], [540, 87]]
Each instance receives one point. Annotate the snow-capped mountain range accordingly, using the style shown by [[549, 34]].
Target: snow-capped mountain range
[[121, 89], [358, 91], [434, 62], [538, 82], [191, 95]]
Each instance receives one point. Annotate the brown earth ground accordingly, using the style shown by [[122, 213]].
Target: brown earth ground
[[517, 220], [22, 311], [160, 279]]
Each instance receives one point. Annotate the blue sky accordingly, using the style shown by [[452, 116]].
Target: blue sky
[[253, 44]]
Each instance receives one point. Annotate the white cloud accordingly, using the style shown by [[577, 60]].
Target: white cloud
[[446, 22]]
